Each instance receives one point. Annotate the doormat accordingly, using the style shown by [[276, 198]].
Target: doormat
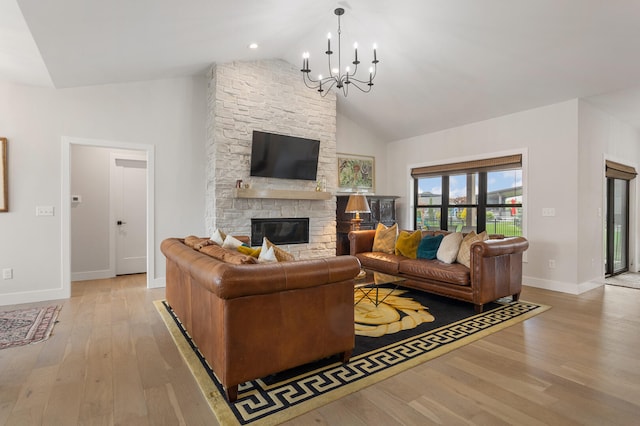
[[281, 397], [24, 326]]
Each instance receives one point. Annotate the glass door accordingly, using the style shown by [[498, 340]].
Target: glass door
[[617, 227]]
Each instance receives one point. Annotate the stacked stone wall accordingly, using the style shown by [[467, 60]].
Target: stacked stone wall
[[268, 96]]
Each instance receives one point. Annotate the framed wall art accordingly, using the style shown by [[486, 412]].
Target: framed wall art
[[356, 173], [4, 185]]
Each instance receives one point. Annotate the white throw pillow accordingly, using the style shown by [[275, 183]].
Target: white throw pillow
[[267, 256], [218, 237], [448, 250], [231, 243]]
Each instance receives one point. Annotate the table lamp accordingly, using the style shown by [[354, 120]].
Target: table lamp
[[357, 204]]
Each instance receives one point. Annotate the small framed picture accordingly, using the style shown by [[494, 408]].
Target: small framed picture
[[356, 173], [4, 175]]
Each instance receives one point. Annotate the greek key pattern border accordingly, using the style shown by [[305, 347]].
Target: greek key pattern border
[[258, 400]]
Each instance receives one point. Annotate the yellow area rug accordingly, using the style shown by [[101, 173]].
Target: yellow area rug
[[402, 344]]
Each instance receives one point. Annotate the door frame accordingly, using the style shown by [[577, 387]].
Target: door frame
[[65, 203]]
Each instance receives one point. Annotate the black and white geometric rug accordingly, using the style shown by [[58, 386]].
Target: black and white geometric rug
[[281, 397]]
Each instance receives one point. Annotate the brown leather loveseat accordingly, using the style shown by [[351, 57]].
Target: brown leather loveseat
[[495, 269], [252, 320]]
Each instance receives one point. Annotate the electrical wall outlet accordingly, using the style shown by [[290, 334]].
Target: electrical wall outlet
[[552, 264], [7, 274]]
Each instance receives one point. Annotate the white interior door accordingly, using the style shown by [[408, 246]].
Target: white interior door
[[130, 198]]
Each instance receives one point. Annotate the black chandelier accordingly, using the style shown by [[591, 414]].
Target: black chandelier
[[336, 76]]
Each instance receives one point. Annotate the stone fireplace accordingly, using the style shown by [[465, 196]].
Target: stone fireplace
[[268, 96]]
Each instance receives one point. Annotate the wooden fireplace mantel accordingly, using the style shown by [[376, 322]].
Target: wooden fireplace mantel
[[281, 194]]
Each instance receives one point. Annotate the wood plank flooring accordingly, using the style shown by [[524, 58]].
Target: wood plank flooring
[[111, 361]]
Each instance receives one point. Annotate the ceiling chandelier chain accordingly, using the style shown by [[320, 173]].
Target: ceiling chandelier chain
[[339, 78]]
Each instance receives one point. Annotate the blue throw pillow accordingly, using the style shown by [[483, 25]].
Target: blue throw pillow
[[428, 247]]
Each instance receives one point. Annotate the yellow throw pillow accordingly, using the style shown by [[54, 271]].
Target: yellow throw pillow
[[385, 238], [407, 243], [250, 251]]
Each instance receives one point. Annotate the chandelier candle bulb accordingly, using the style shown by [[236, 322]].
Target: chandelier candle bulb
[[375, 58], [355, 46]]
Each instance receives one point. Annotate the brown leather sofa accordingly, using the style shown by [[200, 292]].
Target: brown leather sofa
[[252, 320], [495, 269]]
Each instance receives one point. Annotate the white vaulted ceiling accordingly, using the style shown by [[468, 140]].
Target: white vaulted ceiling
[[442, 63]]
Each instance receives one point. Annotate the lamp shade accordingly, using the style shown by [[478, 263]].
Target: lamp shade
[[357, 204]]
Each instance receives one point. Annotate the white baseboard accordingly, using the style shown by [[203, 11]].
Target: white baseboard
[[157, 283], [34, 296], [560, 286], [92, 275]]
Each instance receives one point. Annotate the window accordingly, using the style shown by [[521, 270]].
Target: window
[[475, 195]]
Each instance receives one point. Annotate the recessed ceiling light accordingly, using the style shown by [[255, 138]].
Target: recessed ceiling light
[[253, 46]]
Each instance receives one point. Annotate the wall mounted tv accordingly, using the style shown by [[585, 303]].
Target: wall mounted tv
[[285, 157]]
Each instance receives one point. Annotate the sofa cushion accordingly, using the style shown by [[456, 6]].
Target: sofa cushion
[[428, 247], [218, 236], [253, 252], [407, 243], [281, 255], [267, 256], [231, 243], [227, 256], [454, 273], [382, 262], [464, 253], [385, 239], [449, 247], [192, 241]]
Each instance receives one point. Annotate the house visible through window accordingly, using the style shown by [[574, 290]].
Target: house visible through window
[[474, 195]]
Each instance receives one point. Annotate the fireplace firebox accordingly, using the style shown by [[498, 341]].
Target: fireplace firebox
[[280, 231]]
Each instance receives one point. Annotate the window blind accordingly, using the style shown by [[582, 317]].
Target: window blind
[[483, 165], [619, 171]]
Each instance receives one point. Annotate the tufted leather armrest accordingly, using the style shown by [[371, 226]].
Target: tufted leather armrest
[[361, 241]]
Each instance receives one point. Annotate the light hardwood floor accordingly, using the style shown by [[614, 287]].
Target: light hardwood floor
[[111, 361]]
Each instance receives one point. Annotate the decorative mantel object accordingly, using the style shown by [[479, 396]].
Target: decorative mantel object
[[4, 175], [357, 204], [356, 173], [337, 77]]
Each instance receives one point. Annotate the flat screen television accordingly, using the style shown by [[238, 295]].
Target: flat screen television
[[284, 157]]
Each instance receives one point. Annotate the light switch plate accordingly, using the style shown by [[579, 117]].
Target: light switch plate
[[548, 211], [44, 211]]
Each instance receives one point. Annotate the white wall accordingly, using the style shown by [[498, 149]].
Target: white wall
[[548, 139], [352, 138], [168, 114], [90, 218], [564, 146], [602, 137]]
